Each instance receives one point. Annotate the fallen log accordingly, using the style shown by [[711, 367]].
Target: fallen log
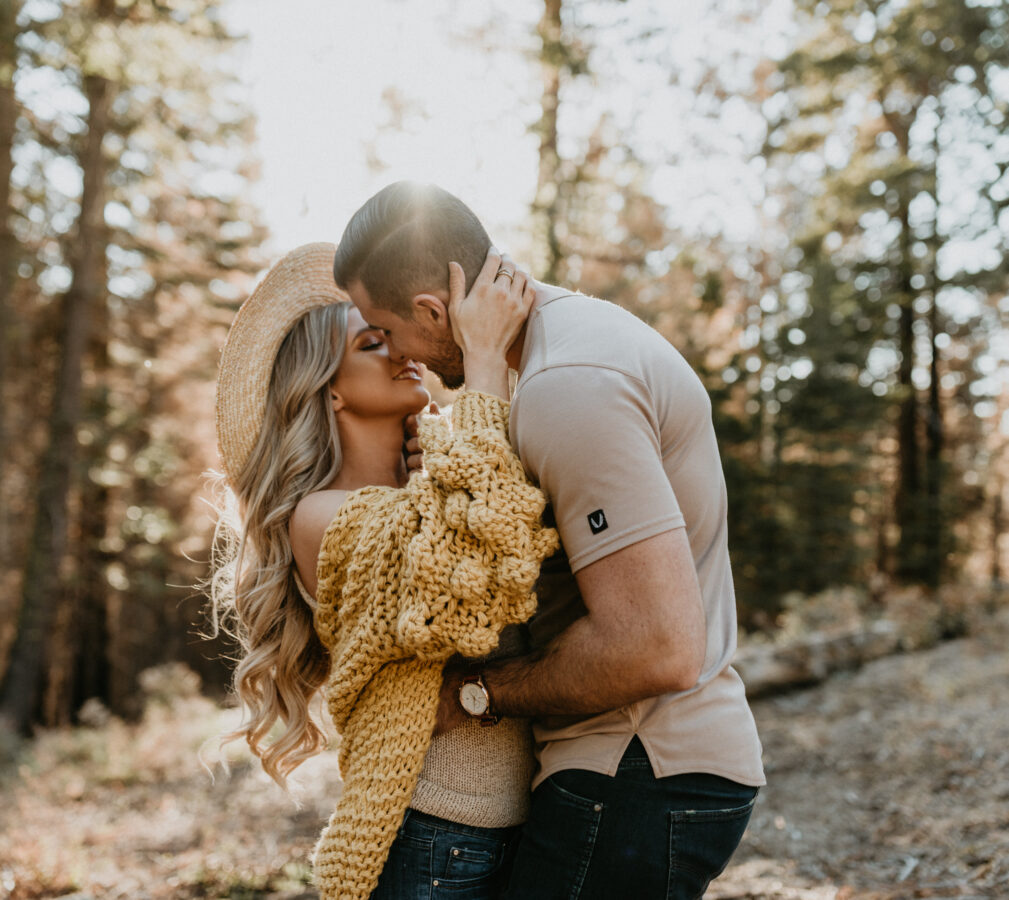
[[774, 668]]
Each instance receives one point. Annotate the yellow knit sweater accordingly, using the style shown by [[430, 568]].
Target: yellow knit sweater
[[407, 578]]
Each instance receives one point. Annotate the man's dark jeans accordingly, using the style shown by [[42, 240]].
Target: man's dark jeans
[[593, 837]]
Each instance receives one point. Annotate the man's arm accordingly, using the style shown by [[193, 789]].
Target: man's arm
[[644, 635]]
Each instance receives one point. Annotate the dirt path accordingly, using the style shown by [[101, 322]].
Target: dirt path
[[892, 782], [885, 784]]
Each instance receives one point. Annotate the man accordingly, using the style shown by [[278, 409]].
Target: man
[[649, 760]]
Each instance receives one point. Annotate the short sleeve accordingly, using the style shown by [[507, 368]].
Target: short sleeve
[[589, 436]]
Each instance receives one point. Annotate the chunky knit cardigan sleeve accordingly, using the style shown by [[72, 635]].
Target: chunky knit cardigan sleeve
[[407, 578]]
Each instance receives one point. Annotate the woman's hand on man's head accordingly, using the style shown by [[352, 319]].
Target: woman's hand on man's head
[[488, 319], [490, 316]]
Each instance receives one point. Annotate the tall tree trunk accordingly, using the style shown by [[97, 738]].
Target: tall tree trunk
[[8, 116], [78, 665], [88, 640], [997, 525], [907, 512], [43, 590], [908, 501], [932, 564], [547, 203], [934, 543], [79, 668]]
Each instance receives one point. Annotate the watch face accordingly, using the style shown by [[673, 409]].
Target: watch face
[[473, 699]]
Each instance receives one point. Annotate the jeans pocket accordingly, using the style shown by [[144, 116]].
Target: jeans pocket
[[701, 842], [557, 842], [468, 865], [464, 863]]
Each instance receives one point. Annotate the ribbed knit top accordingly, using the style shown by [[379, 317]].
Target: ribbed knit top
[[409, 577], [477, 775]]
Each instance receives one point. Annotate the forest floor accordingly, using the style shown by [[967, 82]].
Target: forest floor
[[885, 783]]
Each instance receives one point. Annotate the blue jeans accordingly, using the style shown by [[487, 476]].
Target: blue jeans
[[434, 859], [593, 837]]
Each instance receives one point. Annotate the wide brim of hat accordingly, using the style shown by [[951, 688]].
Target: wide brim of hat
[[300, 282]]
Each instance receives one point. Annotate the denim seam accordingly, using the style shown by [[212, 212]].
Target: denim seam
[[468, 854], [595, 811], [497, 833], [491, 874], [430, 871], [589, 849], [712, 815], [680, 817]]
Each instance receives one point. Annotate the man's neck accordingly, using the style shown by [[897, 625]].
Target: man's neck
[[544, 293]]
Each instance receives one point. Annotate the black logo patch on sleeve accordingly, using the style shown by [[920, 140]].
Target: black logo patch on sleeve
[[597, 521]]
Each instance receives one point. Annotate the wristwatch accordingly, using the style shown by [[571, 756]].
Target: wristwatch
[[475, 700]]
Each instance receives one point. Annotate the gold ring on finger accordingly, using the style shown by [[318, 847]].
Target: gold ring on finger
[[506, 272]]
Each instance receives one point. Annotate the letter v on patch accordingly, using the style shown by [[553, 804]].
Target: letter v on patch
[[597, 521]]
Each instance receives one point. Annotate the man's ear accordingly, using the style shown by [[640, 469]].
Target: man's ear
[[431, 308]]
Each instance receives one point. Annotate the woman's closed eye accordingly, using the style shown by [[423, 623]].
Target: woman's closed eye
[[372, 341]]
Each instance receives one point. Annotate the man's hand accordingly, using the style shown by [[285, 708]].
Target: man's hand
[[450, 712], [411, 443]]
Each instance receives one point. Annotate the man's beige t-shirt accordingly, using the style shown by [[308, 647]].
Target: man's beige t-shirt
[[616, 428]]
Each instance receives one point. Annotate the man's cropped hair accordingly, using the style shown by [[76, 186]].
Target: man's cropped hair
[[399, 244]]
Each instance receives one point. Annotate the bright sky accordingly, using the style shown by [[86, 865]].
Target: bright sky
[[317, 70]]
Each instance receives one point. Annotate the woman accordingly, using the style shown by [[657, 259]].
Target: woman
[[341, 574]]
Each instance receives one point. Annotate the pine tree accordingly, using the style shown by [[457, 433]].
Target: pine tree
[[888, 99], [8, 119], [42, 588], [163, 249]]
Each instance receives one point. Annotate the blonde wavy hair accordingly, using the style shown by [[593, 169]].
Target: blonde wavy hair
[[254, 598]]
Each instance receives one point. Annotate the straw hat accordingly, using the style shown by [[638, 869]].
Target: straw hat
[[301, 281]]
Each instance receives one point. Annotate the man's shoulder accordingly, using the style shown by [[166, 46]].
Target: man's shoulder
[[585, 311], [580, 383], [577, 341], [577, 329], [597, 361]]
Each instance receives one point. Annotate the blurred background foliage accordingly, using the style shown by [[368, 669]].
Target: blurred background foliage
[[854, 346]]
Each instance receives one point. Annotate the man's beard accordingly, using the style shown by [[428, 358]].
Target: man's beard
[[446, 362]]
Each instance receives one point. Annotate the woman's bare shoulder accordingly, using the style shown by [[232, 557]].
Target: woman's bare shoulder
[[309, 521], [314, 512]]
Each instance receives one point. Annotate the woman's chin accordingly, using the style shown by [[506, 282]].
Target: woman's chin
[[422, 401]]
